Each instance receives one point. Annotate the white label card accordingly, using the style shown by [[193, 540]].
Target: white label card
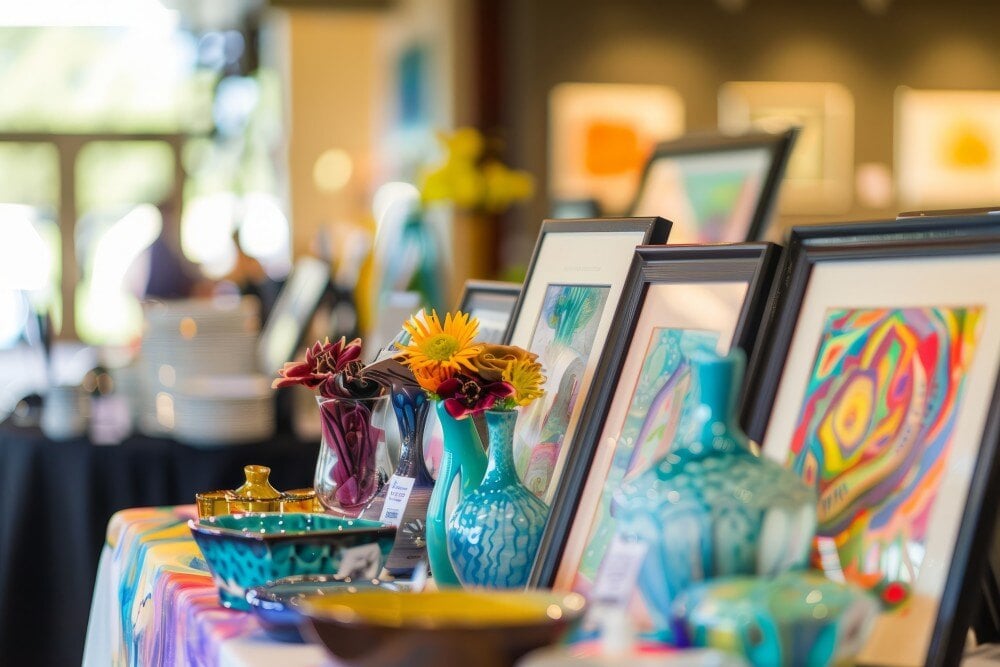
[[619, 571], [395, 500], [361, 562]]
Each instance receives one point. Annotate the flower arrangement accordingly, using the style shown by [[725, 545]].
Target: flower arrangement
[[468, 377], [471, 178], [347, 473], [335, 369]]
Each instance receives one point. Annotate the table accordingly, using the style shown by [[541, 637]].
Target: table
[[57, 498], [155, 603]]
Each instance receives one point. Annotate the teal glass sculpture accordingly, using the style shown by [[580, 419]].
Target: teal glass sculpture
[[462, 457], [494, 533], [797, 618], [711, 507]]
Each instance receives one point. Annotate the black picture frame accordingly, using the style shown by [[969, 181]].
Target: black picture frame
[[571, 253], [494, 296], [779, 146], [762, 376], [915, 238], [752, 263], [304, 292]]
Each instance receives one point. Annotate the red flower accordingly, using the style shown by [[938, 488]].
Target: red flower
[[323, 360], [464, 396]]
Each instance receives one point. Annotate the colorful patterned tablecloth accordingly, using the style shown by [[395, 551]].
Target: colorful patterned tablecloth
[[155, 603]]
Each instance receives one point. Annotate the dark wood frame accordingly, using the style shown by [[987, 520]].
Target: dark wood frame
[[942, 237], [499, 287], [780, 145], [752, 263], [655, 231], [762, 376]]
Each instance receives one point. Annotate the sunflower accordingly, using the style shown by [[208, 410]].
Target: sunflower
[[525, 375], [438, 350]]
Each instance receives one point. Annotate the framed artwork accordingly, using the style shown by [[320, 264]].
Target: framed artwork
[[600, 135], [884, 360], [715, 188], [820, 175], [678, 301], [282, 337], [564, 315], [946, 143], [492, 302]]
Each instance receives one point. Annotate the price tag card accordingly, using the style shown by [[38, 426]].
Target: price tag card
[[395, 500], [619, 572]]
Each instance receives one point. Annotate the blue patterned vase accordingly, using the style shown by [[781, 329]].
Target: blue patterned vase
[[711, 507], [403, 500], [494, 533], [464, 458]]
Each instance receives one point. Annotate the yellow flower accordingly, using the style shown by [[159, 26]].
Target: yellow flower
[[525, 375], [440, 350]]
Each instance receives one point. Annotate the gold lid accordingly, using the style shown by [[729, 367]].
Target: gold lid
[[255, 495]]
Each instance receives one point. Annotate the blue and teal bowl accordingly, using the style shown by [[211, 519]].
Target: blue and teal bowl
[[247, 550]]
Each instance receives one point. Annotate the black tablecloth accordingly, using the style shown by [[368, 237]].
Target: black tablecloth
[[55, 502]]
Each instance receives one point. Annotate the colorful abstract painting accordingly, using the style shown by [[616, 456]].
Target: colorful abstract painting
[[563, 339], [710, 197], [875, 431], [659, 411]]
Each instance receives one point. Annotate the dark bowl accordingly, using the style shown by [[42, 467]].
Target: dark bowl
[[247, 550], [275, 604], [377, 628]]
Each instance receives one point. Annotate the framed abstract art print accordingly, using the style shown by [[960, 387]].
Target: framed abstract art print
[[565, 314], [884, 361], [716, 188], [678, 301]]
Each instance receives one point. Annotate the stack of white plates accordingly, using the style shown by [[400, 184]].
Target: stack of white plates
[[223, 410], [189, 339]]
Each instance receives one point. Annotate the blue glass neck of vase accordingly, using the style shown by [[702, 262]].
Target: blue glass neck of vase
[[411, 404], [718, 381], [500, 470]]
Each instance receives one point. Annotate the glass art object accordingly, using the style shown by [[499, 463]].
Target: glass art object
[[797, 618], [710, 507], [347, 472], [495, 532], [464, 458]]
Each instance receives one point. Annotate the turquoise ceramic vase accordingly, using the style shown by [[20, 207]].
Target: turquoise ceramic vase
[[463, 457], [494, 533], [711, 507]]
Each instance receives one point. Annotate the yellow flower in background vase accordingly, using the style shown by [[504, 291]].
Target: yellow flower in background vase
[[525, 375], [470, 180]]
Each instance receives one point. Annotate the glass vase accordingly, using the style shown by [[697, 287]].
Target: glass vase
[[347, 472], [710, 507], [494, 532], [403, 500], [462, 457]]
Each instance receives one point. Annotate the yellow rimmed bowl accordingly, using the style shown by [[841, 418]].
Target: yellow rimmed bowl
[[375, 628]]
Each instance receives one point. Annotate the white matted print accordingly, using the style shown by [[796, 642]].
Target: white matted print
[[947, 148], [596, 264], [820, 173], [600, 136], [908, 348]]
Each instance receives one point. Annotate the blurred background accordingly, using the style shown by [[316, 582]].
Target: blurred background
[[190, 190]]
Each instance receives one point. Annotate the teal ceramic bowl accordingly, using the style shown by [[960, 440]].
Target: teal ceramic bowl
[[247, 550]]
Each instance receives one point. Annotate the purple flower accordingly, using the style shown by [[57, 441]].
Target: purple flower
[[464, 396]]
